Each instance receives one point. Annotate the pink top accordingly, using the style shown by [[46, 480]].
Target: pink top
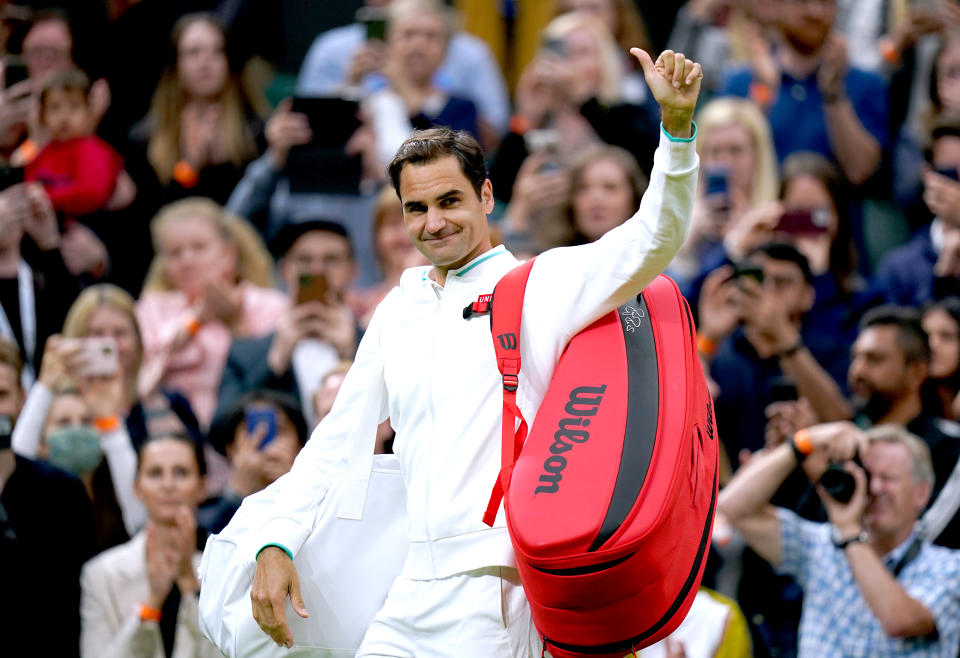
[[196, 368]]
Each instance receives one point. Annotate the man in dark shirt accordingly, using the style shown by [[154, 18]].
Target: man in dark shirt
[[46, 534]]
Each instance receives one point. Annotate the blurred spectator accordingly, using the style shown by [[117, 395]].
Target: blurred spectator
[[35, 287], [815, 101], [418, 35], [261, 435], [928, 265], [211, 281], [890, 363], [553, 206], [312, 334], [349, 56], [872, 585], [395, 253], [46, 534], [714, 626], [326, 395], [140, 598], [570, 97], [200, 132], [941, 321], [738, 171], [625, 24], [753, 333]]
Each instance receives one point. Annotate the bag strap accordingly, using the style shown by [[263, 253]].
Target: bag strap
[[944, 508], [505, 311]]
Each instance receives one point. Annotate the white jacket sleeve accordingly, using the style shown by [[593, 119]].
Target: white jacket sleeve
[[298, 494], [28, 431], [570, 287], [122, 459]]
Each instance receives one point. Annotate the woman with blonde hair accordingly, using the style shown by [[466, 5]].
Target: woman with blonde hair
[[200, 131], [738, 171], [212, 280]]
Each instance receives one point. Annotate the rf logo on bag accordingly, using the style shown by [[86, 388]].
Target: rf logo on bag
[[508, 341]]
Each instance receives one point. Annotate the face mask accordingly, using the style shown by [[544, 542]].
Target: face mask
[[75, 450]]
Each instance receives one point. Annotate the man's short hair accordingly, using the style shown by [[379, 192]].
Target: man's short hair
[[945, 125], [440, 8], [785, 252], [10, 356], [69, 80], [911, 338], [425, 146], [917, 447], [293, 231]]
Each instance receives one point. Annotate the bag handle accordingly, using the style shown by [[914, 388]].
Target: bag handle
[[505, 331]]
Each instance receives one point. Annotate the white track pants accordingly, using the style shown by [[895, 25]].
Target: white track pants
[[478, 614]]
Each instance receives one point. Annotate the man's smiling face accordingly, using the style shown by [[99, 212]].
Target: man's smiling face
[[443, 215]]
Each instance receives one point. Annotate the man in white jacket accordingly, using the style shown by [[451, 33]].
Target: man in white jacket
[[432, 373]]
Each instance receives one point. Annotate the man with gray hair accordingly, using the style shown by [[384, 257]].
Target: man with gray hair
[[873, 585]]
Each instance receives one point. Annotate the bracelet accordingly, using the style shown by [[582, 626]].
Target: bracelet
[[888, 51], [106, 424], [833, 97], [192, 325], [706, 346], [519, 124], [185, 174], [801, 444], [790, 351], [760, 93], [149, 614]]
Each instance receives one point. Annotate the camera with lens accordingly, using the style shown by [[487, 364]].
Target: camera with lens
[[840, 484]]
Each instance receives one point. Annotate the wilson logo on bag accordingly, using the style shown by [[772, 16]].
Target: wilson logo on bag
[[610, 499]]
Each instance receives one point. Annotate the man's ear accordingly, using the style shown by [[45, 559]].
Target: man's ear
[[921, 496], [917, 371], [809, 297], [486, 196]]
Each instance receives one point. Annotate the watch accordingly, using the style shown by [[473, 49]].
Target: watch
[[840, 542]]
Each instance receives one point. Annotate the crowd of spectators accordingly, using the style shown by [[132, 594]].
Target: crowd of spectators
[[192, 241]]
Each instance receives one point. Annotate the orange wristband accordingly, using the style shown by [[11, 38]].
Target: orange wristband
[[801, 441], [149, 614], [889, 52], [706, 346], [519, 124], [106, 424], [192, 325], [184, 174], [761, 93]]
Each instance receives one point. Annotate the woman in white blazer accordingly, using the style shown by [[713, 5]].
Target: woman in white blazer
[[139, 599]]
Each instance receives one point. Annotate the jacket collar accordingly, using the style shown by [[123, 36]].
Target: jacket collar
[[485, 263]]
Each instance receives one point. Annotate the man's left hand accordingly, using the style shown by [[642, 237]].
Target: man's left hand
[[847, 517], [675, 83]]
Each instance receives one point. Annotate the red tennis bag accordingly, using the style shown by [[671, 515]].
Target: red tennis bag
[[610, 498]]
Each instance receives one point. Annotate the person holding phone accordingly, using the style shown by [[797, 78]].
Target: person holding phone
[[260, 436], [313, 334]]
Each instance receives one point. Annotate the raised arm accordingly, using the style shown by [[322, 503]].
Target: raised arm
[[571, 287]]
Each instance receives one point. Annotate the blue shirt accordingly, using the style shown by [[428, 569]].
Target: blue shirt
[[836, 620], [797, 117]]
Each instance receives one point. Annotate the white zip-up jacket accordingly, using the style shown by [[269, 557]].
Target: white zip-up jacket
[[434, 374]]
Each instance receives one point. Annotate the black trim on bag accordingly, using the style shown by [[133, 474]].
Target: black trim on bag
[[643, 410], [590, 568], [627, 645]]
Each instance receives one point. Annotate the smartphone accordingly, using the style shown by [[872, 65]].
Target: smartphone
[[100, 357], [257, 417], [803, 222], [748, 271], [782, 389], [312, 288], [14, 71], [556, 46], [6, 431], [718, 181], [542, 140], [323, 166], [953, 173], [375, 21]]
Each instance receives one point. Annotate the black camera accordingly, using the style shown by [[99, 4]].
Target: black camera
[[838, 483]]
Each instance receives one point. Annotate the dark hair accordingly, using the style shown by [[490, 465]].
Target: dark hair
[[68, 80], [950, 306], [10, 356], [944, 125], [425, 146], [290, 232], [224, 429], [197, 447], [843, 254], [785, 252], [911, 338]]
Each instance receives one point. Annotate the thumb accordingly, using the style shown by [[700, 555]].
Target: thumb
[[285, 105], [649, 68], [296, 599]]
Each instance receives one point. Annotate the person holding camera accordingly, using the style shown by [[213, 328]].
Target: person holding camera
[[872, 584]]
